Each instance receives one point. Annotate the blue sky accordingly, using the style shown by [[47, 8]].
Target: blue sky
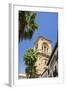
[[48, 28]]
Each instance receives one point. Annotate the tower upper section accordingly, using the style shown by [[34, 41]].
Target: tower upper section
[[43, 45]]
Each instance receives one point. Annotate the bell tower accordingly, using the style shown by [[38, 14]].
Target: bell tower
[[43, 48]]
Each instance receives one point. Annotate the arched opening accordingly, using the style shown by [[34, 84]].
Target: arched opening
[[55, 72], [45, 47]]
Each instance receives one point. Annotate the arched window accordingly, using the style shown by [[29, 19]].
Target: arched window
[[45, 47], [55, 72]]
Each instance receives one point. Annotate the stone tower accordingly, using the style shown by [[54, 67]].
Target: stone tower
[[44, 49]]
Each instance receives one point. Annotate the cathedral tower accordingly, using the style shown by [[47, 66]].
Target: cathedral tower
[[43, 48]]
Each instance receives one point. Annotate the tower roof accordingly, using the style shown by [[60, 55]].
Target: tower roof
[[43, 38]]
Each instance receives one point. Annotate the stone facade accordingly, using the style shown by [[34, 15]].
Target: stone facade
[[53, 63], [44, 49], [52, 70]]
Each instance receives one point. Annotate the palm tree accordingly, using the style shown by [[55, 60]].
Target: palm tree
[[30, 58], [27, 24]]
